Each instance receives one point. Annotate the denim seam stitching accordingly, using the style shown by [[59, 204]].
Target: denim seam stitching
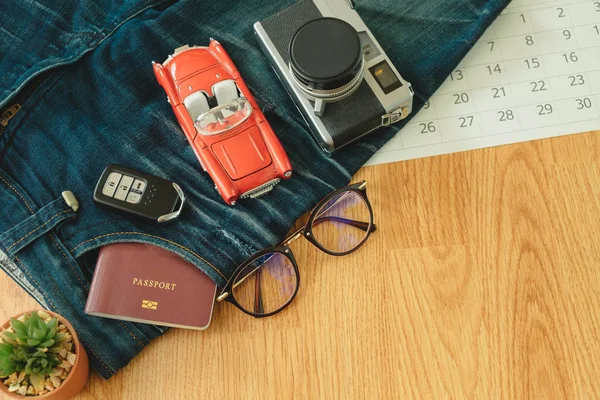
[[18, 194], [132, 334], [68, 261], [110, 371], [36, 229], [155, 237]]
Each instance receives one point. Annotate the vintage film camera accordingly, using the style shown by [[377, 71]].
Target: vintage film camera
[[334, 69]]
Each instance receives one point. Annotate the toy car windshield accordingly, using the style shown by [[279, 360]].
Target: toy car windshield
[[223, 118]]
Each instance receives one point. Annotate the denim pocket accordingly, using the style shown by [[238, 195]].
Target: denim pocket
[[86, 263]]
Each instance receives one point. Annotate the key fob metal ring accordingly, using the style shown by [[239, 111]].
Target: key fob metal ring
[[174, 214]]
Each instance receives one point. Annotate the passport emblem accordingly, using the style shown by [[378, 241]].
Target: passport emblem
[[149, 304]]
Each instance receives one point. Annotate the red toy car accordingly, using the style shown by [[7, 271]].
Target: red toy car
[[221, 120]]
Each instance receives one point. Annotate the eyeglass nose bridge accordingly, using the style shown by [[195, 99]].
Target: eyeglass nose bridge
[[293, 237]]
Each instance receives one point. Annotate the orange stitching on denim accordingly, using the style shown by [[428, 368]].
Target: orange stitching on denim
[[18, 194], [99, 359], [68, 261], [36, 229], [53, 306], [132, 334], [152, 236]]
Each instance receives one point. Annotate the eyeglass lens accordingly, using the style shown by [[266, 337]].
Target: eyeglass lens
[[342, 223], [266, 284]]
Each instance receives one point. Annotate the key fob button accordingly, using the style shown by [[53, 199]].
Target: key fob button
[[133, 198], [139, 186], [111, 184], [123, 188]]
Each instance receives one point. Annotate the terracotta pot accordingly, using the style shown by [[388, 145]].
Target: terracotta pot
[[75, 380]]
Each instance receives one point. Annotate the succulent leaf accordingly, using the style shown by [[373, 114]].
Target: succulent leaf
[[31, 324], [18, 326], [5, 350], [39, 353], [55, 349], [52, 324], [7, 367], [50, 334], [39, 334]]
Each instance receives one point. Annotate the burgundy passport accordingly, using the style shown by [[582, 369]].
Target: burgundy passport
[[145, 283]]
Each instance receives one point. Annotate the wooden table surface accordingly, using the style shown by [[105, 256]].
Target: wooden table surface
[[482, 281]]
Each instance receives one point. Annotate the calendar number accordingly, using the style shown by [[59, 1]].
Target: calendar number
[[532, 63], [561, 12], [457, 75], [427, 127], [571, 57], [576, 80], [426, 105], [583, 103], [491, 43], [597, 29], [538, 86], [466, 122], [507, 115], [545, 109], [523, 18], [499, 92], [597, 4], [529, 40], [494, 69], [567, 34], [460, 98]]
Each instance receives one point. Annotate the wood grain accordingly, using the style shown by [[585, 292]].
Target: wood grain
[[481, 282]]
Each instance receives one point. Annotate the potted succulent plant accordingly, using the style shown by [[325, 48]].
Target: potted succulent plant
[[40, 355]]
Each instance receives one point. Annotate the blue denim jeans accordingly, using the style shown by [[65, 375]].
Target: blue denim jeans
[[96, 102]]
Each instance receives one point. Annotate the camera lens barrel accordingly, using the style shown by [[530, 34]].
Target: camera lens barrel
[[326, 59]]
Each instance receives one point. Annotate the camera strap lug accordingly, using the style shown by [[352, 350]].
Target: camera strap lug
[[391, 118], [319, 107]]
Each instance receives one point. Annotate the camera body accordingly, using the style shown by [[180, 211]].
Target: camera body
[[337, 74]]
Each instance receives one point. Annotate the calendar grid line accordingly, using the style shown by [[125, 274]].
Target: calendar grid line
[[383, 150], [543, 31], [522, 58], [527, 80], [504, 108], [531, 7], [499, 110]]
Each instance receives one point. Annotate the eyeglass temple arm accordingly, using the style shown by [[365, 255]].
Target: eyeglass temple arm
[[364, 226], [258, 303]]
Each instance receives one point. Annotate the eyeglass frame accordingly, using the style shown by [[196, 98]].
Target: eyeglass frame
[[283, 247]]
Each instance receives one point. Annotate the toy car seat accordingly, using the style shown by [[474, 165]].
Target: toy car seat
[[196, 104]]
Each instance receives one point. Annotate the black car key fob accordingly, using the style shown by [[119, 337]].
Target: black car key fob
[[138, 193]]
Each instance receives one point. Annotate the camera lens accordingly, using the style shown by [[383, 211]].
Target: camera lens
[[326, 54]]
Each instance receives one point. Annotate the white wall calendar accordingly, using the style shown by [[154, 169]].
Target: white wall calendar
[[535, 73]]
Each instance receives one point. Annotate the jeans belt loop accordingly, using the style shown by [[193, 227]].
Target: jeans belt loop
[[38, 224]]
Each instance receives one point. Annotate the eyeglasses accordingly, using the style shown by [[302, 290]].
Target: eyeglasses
[[267, 282]]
